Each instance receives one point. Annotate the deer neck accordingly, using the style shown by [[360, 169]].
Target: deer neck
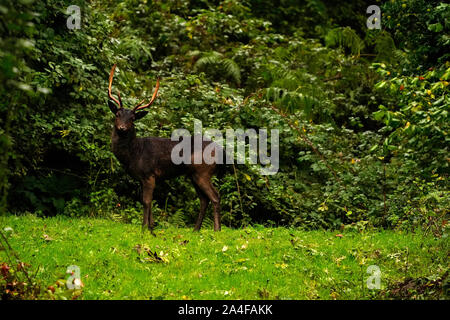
[[123, 145]]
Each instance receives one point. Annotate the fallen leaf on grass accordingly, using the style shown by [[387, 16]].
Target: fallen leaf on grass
[[152, 255], [338, 260], [47, 237]]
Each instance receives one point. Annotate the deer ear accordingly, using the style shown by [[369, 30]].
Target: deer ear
[[112, 106], [140, 115]]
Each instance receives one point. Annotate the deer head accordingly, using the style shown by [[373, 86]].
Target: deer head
[[125, 117]]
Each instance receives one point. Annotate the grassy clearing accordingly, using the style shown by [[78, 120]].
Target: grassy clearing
[[117, 261]]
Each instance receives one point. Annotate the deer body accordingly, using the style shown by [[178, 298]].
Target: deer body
[[149, 160], [142, 157]]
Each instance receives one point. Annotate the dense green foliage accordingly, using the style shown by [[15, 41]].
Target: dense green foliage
[[117, 261], [363, 114]]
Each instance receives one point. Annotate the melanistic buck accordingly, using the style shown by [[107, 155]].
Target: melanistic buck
[[149, 159]]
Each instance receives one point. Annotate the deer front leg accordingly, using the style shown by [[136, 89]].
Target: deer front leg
[[147, 196], [204, 201]]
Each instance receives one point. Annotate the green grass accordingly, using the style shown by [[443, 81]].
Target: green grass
[[250, 263]]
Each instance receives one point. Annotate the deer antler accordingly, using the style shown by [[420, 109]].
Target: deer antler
[[138, 107], [139, 104], [111, 75]]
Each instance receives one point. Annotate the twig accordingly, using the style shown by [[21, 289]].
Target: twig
[[336, 77]]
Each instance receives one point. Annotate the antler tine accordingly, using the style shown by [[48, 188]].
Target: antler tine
[[111, 75], [140, 103], [151, 101], [120, 99]]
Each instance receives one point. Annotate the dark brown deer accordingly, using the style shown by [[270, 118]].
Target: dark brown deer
[[149, 159]]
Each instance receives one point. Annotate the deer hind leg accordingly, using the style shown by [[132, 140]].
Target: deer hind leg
[[204, 183], [217, 225], [148, 186], [204, 201]]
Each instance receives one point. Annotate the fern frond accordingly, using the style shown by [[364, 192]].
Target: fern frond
[[178, 219], [194, 53], [385, 47], [292, 100], [207, 59], [232, 70], [345, 37], [215, 62], [208, 222]]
